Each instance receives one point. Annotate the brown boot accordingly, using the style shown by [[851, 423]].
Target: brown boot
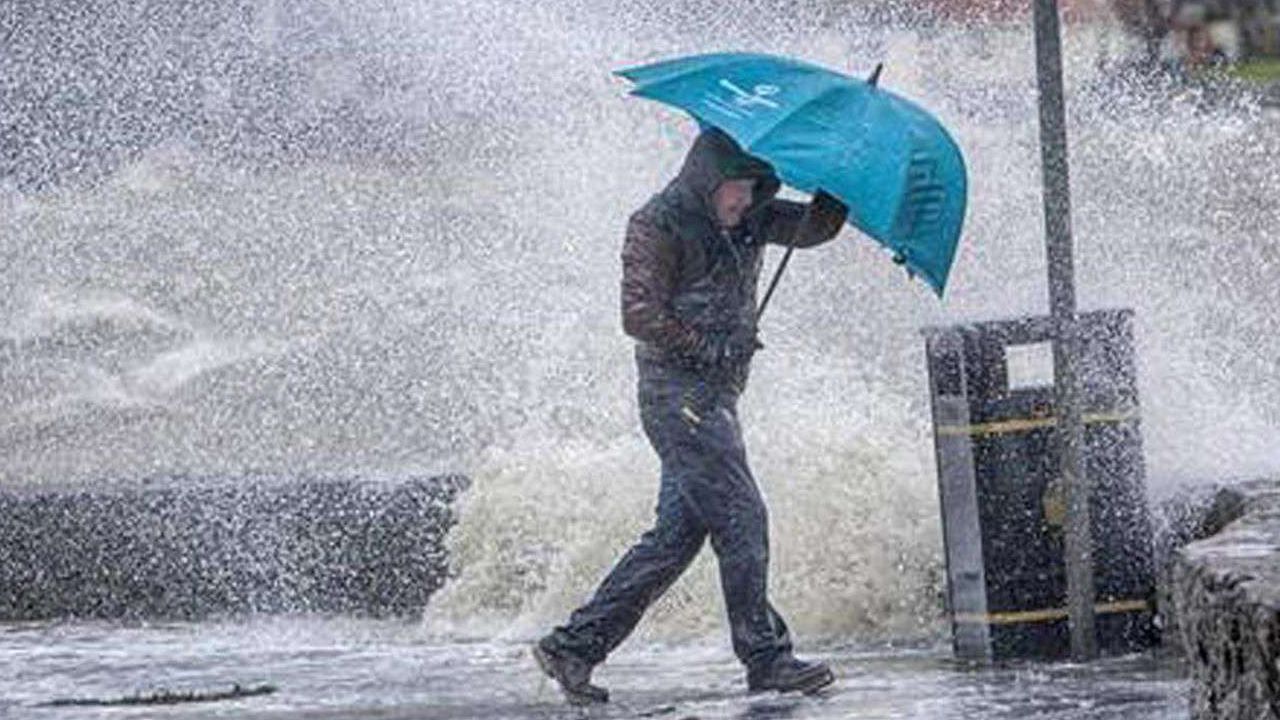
[[573, 674], [788, 674]]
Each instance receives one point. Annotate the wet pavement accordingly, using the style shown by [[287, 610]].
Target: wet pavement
[[346, 668]]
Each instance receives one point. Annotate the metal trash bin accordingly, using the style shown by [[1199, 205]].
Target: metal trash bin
[[1003, 504]]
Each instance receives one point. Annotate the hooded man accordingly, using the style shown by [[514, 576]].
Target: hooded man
[[691, 263]]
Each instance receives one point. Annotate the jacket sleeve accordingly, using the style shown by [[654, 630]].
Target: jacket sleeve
[[650, 270], [817, 222]]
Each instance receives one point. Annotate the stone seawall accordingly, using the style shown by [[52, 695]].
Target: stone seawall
[[193, 549], [1226, 594]]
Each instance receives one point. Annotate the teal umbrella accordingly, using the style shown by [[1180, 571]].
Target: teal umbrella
[[889, 160]]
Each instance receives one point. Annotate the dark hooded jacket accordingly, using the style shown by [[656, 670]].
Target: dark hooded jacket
[[686, 281]]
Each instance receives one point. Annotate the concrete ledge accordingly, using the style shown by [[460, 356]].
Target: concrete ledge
[[1226, 591], [195, 548]]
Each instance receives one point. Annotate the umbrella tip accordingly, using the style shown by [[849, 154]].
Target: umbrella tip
[[874, 80]]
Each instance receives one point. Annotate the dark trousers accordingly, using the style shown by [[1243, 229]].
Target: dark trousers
[[707, 490]]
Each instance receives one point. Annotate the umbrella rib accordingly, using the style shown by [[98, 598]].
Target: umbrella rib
[[749, 146], [681, 74]]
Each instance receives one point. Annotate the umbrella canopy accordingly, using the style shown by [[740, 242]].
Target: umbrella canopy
[[890, 161]]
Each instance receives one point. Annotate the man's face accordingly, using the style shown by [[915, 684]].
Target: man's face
[[731, 201]]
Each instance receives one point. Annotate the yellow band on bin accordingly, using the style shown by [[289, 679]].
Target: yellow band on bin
[[1049, 614], [1023, 424]]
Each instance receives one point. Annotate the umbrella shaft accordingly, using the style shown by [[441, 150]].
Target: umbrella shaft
[[773, 284]]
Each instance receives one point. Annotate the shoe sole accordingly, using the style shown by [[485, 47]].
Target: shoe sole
[[573, 698], [819, 683]]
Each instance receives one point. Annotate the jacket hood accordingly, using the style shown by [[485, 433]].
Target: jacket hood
[[714, 158]]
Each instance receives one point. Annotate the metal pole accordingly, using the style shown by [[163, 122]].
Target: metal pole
[[1062, 303]]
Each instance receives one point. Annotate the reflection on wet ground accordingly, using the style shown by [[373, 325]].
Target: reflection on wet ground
[[341, 667]]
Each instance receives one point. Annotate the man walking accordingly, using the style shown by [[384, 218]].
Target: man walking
[[691, 262]]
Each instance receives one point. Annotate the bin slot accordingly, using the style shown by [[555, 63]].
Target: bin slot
[[1029, 366]]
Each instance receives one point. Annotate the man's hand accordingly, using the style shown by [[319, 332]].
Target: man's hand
[[815, 223], [826, 205]]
